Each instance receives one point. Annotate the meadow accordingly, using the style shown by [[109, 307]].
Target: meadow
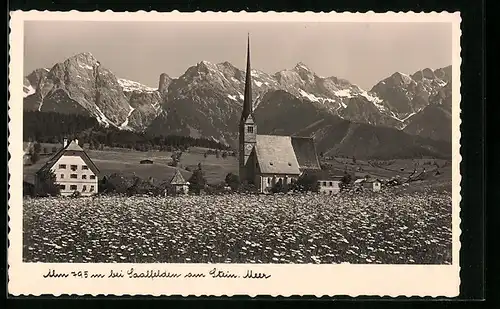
[[365, 228], [127, 162]]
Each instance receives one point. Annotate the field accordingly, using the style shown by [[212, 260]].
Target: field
[[367, 228], [125, 161]]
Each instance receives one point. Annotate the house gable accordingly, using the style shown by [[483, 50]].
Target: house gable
[[178, 179], [72, 149]]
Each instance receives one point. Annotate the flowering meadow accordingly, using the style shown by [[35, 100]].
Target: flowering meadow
[[383, 228]]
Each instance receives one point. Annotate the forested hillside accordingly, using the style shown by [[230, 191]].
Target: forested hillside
[[51, 127]]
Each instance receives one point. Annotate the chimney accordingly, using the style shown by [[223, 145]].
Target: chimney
[[65, 142]]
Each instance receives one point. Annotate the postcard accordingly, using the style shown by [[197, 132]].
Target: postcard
[[234, 153]]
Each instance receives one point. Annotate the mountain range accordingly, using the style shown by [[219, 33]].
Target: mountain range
[[401, 115]]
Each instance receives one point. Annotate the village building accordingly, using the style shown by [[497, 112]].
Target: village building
[[370, 184], [74, 170], [178, 184], [146, 161], [265, 160], [328, 183]]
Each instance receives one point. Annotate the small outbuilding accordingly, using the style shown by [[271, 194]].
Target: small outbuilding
[[179, 184], [147, 161], [369, 183]]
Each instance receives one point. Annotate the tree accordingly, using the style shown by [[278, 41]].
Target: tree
[[45, 149], [197, 181], [346, 180], [115, 183], [224, 155], [278, 187], [54, 149], [205, 155], [217, 154], [35, 156], [47, 185], [233, 181], [353, 160], [37, 148], [307, 182]]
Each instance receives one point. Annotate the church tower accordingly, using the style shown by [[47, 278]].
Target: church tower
[[247, 127]]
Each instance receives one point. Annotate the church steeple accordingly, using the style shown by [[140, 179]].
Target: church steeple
[[247, 101], [247, 128]]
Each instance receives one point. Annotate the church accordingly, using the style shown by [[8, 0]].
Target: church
[[265, 160]]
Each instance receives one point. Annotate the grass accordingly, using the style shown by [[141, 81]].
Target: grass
[[126, 161]]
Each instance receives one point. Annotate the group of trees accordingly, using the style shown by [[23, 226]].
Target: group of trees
[[47, 185], [51, 127], [34, 152], [218, 153]]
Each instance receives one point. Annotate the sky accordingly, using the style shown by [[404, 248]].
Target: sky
[[363, 53]]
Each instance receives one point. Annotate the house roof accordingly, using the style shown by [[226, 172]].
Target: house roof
[[178, 179], [276, 155], [71, 149], [305, 151]]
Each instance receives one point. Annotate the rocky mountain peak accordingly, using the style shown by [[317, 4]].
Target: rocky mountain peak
[[205, 66], [87, 56], [399, 78], [36, 76], [425, 73], [444, 73], [300, 66], [164, 82]]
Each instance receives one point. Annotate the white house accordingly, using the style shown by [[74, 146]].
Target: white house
[[74, 170]]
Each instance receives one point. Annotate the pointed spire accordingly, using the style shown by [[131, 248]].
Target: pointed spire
[[247, 102]]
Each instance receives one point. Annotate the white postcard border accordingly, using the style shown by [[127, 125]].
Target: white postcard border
[[285, 280]]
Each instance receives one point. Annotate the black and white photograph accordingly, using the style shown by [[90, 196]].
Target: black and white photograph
[[239, 142]]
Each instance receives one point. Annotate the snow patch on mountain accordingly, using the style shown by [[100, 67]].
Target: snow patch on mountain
[[101, 118], [129, 86], [85, 66], [259, 84], [375, 100], [440, 82], [28, 90], [124, 125], [232, 97], [309, 96], [345, 93]]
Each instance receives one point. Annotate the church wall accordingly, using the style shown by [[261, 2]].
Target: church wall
[[266, 180]]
